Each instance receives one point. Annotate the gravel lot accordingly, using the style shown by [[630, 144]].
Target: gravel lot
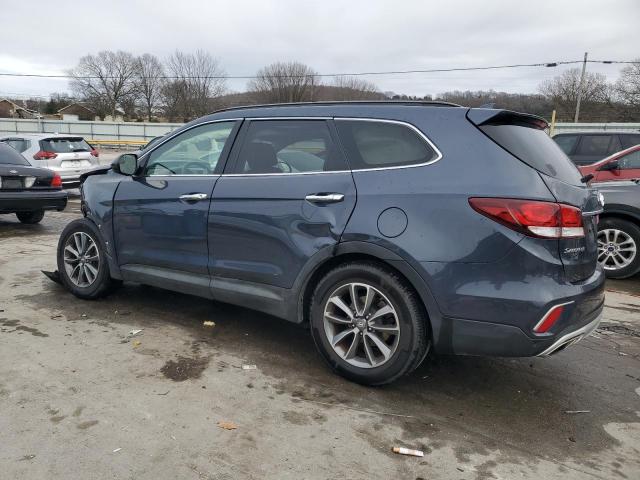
[[82, 399]]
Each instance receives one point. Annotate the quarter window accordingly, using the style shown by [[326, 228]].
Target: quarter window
[[379, 144], [194, 152], [288, 146]]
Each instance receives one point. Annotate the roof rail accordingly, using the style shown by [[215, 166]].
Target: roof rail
[[432, 103]]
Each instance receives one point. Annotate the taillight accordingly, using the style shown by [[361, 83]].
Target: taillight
[[94, 152], [532, 217], [44, 155], [549, 319], [56, 181]]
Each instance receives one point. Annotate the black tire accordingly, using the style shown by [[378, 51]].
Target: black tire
[[414, 339], [30, 218], [103, 283], [633, 231]]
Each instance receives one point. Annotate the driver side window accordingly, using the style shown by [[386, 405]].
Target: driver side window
[[194, 152]]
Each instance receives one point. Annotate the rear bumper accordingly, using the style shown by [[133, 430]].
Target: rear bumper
[[469, 337], [497, 318], [572, 337], [29, 201]]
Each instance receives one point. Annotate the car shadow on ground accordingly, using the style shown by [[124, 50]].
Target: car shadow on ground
[[522, 401]]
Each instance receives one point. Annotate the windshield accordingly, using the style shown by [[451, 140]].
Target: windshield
[[9, 156], [65, 145]]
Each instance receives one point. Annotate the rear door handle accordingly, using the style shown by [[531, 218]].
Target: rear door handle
[[324, 198], [193, 197]]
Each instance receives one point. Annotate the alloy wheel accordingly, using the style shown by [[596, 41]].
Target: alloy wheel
[[81, 259], [361, 325], [616, 249]]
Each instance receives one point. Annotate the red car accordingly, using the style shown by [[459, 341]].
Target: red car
[[623, 165]]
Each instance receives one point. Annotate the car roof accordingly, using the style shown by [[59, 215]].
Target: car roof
[[320, 109]]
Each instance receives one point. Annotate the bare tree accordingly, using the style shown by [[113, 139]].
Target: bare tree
[[562, 91], [149, 82], [197, 82], [628, 85], [104, 80], [284, 82], [354, 88]]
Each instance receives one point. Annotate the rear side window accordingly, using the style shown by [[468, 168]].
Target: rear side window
[[601, 145], [9, 156], [536, 149], [18, 144], [566, 142], [630, 140], [65, 145], [382, 144], [288, 146]]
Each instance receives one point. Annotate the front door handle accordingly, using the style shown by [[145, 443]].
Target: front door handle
[[324, 198], [193, 197]]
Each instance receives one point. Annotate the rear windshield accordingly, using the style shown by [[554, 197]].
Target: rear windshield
[[9, 156], [65, 145], [536, 149]]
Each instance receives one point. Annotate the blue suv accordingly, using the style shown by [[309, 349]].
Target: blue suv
[[389, 228]]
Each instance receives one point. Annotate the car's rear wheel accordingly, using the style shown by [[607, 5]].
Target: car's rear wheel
[[368, 323], [618, 247], [30, 218], [82, 260]]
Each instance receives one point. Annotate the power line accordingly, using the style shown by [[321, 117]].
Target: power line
[[351, 74]]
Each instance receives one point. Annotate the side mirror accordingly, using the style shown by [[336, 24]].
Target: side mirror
[[613, 165], [126, 164]]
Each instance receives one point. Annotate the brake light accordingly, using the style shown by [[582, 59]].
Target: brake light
[[550, 318], [94, 152], [56, 181], [532, 217], [44, 155]]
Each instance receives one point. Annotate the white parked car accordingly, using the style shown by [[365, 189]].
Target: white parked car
[[68, 155]]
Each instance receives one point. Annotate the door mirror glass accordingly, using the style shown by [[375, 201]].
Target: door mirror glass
[[613, 165], [126, 164]]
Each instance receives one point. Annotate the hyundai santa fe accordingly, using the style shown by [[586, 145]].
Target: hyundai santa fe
[[391, 229]]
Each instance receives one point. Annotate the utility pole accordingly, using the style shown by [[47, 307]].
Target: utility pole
[[581, 87]]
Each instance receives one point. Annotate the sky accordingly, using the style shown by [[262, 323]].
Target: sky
[[331, 36]]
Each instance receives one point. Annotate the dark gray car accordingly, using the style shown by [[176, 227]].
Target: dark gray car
[[619, 228], [585, 148], [390, 228]]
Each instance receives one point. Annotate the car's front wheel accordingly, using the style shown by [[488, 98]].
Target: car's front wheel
[[30, 218], [82, 261], [618, 245], [368, 323]]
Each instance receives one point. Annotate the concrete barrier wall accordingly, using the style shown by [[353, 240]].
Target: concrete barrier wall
[[126, 131]]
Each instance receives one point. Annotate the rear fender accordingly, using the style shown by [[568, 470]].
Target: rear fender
[[383, 255]]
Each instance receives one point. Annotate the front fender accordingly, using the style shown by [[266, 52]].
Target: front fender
[[97, 206]]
